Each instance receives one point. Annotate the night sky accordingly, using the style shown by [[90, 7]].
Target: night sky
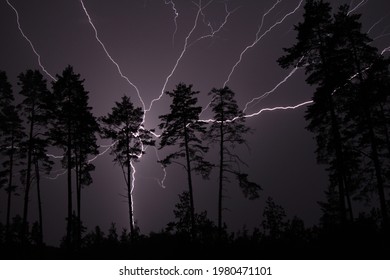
[[141, 36]]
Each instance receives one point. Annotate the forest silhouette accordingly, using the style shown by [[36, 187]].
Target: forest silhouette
[[349, 119]]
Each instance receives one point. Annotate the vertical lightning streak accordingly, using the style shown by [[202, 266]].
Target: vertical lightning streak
[[29, 41], [170, 2], [178, 60], [132, 188], [110, 57], [161, 183]]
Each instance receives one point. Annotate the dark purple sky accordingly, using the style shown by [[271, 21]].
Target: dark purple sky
[[139, 37]]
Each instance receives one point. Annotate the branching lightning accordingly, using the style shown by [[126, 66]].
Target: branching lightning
[[259, 38], [110, 57], [258, 99], [186, 46], [179, 58], [29, 41], [209, 25]]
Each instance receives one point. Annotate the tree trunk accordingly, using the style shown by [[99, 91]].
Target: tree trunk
[[69, 167], [221, 165], [28, 176], [337, 138], [339, 162], [37, 178], [373, 142], [78, 199], [11, 165], [378, 174], [192, 208]]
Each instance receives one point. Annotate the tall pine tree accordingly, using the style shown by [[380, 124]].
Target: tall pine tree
[[34, 107], [73, 129], [181, 127], [124, 126], [228, 130]]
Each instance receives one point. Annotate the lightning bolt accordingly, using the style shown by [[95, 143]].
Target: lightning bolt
[[180, 56], [277, 108], [361, 3], [375, 24], [385, 50], [110, 57], [170, 2], [258, 37], [212, 30], [161, 183], [258, 99], [107, 148], [56, 176], [54, 156], [29, 41]]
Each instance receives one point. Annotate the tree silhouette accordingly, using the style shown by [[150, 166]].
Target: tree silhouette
[[228, 131], [124, 125], [181, 127], [183, 225], [73, 129], [274, 219], [11, 135], [351, 104], [369, 96], [316, 51], [85, 145], [34, 107]]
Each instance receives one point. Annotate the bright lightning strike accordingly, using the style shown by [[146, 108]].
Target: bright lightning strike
[[277, 108], [110, 57], [29, 41]]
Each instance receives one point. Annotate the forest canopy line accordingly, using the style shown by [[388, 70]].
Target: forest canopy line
[[349, 119]]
